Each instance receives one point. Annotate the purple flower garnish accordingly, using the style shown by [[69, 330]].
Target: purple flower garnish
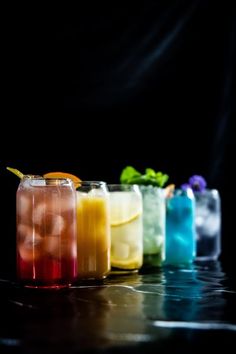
[[197, 183], [185, 186]]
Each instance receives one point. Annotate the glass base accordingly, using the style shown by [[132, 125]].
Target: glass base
[[91, 278], [44, 286], [119, 271], [47, 287], [206, 258]]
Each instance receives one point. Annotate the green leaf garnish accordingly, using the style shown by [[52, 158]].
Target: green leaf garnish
[[150, 172], [130, 175]]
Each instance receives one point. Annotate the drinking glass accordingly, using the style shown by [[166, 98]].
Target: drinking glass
[[180, 228], [46, 232], [93, 228], [126, 227], [208, 224], [154, 216]]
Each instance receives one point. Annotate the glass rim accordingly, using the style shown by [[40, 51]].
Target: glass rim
[[41, 178], [121, 184], [123, 187], [207, 190], [89, 183]]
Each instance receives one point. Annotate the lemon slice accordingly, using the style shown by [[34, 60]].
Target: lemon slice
[[125, 207], [123, 220], [16, 172]]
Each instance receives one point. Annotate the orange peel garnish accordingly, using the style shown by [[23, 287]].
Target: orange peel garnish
[[76, 180], [169, 190]]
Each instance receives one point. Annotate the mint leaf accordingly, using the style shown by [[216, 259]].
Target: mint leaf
[[128, 174], [161, 179], [150, 172]]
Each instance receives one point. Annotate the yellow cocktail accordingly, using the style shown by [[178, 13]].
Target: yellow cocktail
[[93, 231]]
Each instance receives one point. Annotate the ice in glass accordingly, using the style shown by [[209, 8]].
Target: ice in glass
[[180, 228], [154, 215], [46, 232], [208, 224], [126, 227], [93, 231]]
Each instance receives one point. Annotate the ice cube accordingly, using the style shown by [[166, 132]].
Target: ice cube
[[159, 241], [202, 210], [65, 204], [50, 222], [57, 224], [30, 248], [211, 225], [23, 231], [121, 250], [136, 251], [51, 244], [23, 205], [152, 243], [199, 220], [39, 212]]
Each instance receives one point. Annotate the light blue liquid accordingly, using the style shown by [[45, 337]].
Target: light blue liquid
[[180, 228]]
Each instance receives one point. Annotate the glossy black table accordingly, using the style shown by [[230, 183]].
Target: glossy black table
[[176, 310]]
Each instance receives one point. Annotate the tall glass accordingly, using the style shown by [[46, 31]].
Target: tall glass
[[154, 216], [208, 224], [46, 232], [93, 226], [126, 227], [180, 228]]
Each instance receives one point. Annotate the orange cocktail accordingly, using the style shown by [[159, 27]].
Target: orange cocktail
[[93, 231]]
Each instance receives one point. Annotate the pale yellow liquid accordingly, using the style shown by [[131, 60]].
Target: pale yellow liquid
[[93, 238], [126, 230]]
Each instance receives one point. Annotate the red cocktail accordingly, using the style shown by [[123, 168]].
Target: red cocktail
[[46, 232]]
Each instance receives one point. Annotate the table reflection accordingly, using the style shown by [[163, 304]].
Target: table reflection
[[147, 307]]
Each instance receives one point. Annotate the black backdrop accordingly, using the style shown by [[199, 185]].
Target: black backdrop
[[99, 87]]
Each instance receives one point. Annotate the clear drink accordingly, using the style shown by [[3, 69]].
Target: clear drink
[[154, 213], [208, 224], [46, 232], [93, 226], [126, 227], [180, 228]]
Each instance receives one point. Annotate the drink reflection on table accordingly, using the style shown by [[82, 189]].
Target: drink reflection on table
[[194, 293], [108, 313], [187, 298]]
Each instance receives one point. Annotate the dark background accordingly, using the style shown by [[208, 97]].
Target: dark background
[[99, 87]]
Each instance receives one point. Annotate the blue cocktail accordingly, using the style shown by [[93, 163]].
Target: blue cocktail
[[180, 228]]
